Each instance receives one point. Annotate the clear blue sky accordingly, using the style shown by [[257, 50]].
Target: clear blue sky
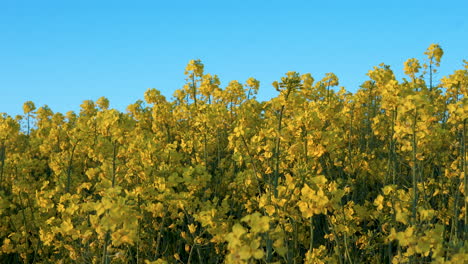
[[60, 53]]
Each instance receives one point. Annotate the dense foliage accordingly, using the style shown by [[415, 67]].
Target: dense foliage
[[315, 175]]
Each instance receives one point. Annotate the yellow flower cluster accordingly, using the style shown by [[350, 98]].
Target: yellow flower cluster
[[316, 174]]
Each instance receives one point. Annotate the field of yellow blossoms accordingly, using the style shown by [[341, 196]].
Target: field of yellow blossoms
[[317, 174]]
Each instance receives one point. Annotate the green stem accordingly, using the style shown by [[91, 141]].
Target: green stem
[[194, 90], [277, 152], [311, 246], [414, 168], [105, 259], [2, 161], [252, 161], [464, 168], [392, 146]]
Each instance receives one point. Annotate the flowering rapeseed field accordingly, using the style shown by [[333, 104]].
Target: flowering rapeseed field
[[315, 175]]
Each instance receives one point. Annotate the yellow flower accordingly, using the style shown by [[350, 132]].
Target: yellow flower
[[257, 223], [251, 250], [66, 226], [379, 202], [192, 228]]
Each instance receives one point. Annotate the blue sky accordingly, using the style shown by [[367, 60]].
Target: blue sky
[[60, 53]]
